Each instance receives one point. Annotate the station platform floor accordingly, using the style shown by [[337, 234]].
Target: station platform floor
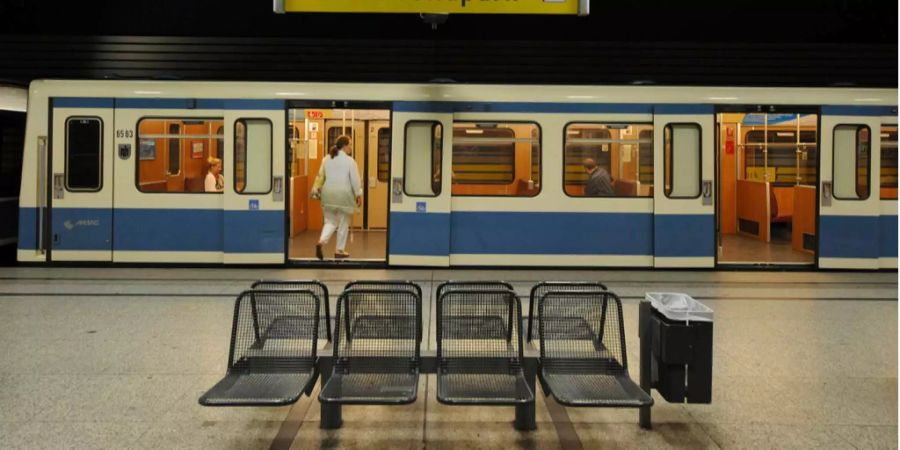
[[117, 358]]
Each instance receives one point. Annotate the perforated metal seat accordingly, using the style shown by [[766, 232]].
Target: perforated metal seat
[[471, 286], [480, 348], [540, 289], [272, 357], [314, 286], [583, 355], [377, 285], [385, 284], [376, 348]]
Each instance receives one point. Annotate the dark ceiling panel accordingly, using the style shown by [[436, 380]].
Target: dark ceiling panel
[[24, 57]]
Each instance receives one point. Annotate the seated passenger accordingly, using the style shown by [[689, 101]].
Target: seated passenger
[[214, 180], [599, 183]]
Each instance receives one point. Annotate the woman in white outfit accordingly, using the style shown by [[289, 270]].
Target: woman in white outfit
[[341, 196]]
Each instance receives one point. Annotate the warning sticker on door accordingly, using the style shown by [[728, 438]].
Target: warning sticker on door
[[254, 205]]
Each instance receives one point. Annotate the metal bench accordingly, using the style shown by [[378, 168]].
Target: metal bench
[[316, 287], [376, 350], [540, 289], [583, 356], [479, 348], [272, 358]]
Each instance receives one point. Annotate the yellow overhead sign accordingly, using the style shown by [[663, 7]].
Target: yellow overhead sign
[[559, 7]]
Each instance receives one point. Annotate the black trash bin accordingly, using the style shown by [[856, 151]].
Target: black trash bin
[[676, 335]]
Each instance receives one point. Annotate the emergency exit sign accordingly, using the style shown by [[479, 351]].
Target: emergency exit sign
[[556, 7]]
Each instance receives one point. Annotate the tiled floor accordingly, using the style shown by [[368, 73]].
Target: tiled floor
[[116, 358]]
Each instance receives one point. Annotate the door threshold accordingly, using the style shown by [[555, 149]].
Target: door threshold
[[762, 265], [356, 263]]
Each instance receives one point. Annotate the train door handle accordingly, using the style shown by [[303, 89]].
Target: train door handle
[[707, 192], [278, 189], [826, 193]]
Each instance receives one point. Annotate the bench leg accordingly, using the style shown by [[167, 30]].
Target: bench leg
[[330, 414], [525, 417], [331, 417], [525, 413], [645, 363]]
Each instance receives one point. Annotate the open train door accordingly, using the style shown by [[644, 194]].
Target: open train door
[[254, 171], [848, 187], [419, 222], [684, 207], [81, 219]]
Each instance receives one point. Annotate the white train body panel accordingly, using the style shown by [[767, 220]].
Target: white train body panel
[[549, 229]]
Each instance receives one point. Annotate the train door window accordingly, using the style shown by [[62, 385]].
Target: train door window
[[496, 159], [423, 150], [336, 132], [84, 154], [851, 162], [252, 156], [384, 154], [682, 160], [620, 154], [889, 162], [174, 154]]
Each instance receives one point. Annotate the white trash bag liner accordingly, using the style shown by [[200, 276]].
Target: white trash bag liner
[[677, 306]]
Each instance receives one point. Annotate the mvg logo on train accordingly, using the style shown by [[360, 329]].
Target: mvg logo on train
[[70, 225]]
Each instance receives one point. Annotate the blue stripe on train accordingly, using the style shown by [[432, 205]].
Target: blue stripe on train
[[551, 233], [254, 231], [81, 229], [887, 236], [419, 234], [684, 235], [859, 110], [536, 107], [168, 103], [850, 237], [185, 230], [27, 229]]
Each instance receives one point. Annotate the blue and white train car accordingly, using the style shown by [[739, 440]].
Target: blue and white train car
[[471, 175]]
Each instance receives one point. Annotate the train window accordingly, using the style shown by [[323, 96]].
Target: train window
[[889, 162], [608, 160], [496, 159], [174, 154], [84, 154], [851, 162], [384, 154], [423, 151], [252, 156], [681, 153]]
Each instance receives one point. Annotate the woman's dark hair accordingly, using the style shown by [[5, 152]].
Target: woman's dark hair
[[339, 143]]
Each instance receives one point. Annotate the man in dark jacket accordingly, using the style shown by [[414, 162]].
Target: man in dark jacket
[[599, 183]]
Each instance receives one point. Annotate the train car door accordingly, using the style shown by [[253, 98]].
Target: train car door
[[379, 153], [849, 205], [254, 216], [421, 146], [683, 203], [81, 179]]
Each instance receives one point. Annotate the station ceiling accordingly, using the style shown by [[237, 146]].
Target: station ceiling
[[740, 42]]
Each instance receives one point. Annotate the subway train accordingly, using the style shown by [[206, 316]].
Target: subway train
[[13, 101], [457, 175]]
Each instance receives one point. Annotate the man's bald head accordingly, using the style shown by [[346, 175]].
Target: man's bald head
[[589, 164]]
